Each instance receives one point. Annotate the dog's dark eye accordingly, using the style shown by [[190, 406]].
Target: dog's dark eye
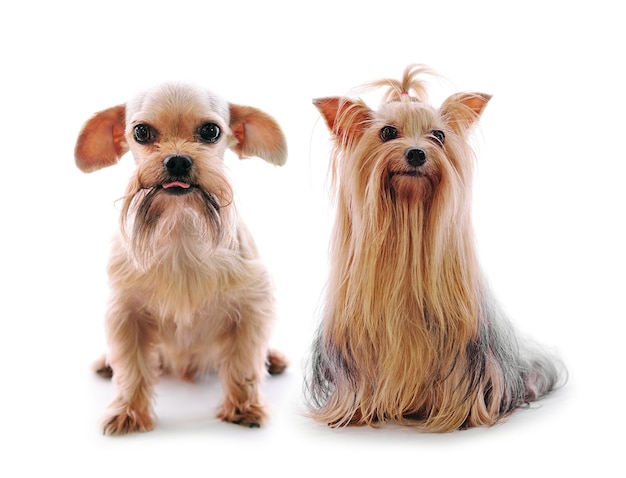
[[388, 133], [438, 135], [144, 134], [210, 132]]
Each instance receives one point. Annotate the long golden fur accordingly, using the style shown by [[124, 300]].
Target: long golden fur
[[189, 293], [410, 332]]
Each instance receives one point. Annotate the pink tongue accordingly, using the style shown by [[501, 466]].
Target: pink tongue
[[176, 184]]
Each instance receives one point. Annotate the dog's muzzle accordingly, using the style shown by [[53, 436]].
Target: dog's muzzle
[[415, 157], [178, 168]]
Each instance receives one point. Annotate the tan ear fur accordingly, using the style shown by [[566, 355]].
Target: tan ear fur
[[257, 134], [101, 140], [344, 117], [464, 109]]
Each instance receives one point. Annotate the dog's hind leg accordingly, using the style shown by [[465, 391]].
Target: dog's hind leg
[[102, 368], [276, 362]]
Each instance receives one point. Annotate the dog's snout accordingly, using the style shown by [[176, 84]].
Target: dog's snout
[[415, 157], [178, 166]]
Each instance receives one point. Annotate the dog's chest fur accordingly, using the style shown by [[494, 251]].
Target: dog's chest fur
[[181, 275]]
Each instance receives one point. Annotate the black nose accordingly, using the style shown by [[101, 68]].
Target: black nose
[[178, 165], [415, 157]]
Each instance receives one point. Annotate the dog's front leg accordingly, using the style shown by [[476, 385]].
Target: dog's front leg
[[240, 372], [242, 404], [131, 335]]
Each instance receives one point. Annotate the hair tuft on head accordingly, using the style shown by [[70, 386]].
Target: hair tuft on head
[[410, 88]]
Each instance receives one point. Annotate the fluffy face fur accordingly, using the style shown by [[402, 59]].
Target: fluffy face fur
[[410, 332], [189, 292]]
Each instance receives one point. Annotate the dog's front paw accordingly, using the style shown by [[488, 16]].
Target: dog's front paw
[[251, 416], [127, 421]]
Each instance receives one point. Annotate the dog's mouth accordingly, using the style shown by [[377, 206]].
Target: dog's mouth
[[177, 187], [413, 173]]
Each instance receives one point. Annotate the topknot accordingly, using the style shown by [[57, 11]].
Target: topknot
[[410, 88]]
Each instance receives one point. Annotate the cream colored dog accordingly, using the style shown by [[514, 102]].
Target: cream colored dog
[[189, 292]]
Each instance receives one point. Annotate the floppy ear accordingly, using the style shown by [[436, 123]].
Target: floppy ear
[[345, 118], [462, 110], [257, 134], [101, 140]]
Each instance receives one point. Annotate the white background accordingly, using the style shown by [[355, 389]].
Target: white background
[[549, 214]]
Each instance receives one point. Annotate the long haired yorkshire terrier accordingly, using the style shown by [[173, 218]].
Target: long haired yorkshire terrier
[[411, 333], [189, 292]]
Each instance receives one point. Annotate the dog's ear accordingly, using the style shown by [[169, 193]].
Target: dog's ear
[[345, 118], [101, 140], [257, 134], [462, 110]]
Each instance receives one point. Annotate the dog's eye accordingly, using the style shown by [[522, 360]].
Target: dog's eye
[[439, 136], [144, 134], [210, 132], [388, 133]]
